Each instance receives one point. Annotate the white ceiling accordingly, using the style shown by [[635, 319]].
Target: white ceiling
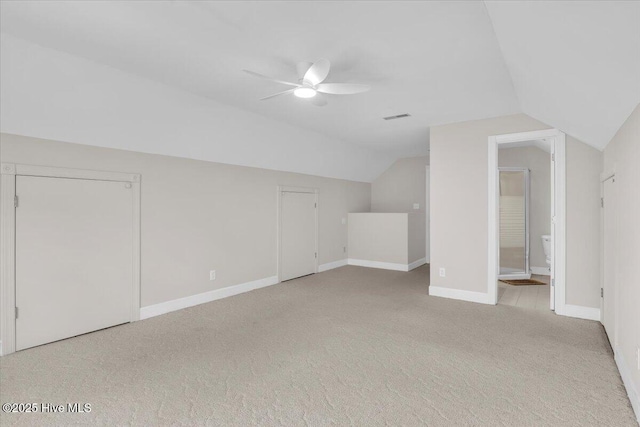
[[575, 64], [569, 64]]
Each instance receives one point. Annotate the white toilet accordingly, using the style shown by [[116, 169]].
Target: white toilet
[[546, 245]]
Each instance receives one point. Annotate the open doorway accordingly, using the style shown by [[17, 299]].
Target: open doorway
[[526, 220]]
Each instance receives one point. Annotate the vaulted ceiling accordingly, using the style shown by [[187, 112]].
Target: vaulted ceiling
[[573, 65]]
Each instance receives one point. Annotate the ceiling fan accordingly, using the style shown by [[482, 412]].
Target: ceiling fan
[[310, 78]]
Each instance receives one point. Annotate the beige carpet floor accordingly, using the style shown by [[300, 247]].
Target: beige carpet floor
[[351, 346]]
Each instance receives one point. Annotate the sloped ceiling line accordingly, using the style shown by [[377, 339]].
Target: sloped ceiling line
[[570, 64], [574, 64]]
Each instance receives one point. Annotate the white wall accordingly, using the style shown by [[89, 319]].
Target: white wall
[[459, 239], [49, 94], [622, 155], [199, 216], [539, 164], [397, 189]]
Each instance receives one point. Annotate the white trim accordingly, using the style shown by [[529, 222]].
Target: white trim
[[493, 236], [605, 176], [386, 265], [8, 260], [216, 294], [332, 265], [581, 312], [459, 294], [378, 264], [136, 242], [627, 380], [427, 214], [290, 189], [54, 172], [417, 263], [526, 136], [541, 271], [559, 225], [9, 172], [558, 144]]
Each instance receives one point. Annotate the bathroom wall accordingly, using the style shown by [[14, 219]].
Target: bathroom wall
[[539, 165]]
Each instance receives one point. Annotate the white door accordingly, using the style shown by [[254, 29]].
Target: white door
[[608, 289], [298, 234], [74, 257]]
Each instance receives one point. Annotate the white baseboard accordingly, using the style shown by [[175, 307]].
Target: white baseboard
[[479, 297], [216, 294], [386, 265], [417, 263], [627, 379], [378, 264], [580, 312], [332, 265], [542, 271]]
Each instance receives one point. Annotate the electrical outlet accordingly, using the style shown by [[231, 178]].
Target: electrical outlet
[[212, 275], [416, 206], [442, 272]]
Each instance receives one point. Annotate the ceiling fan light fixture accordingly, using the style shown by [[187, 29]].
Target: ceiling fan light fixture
[[310, 84], [305, 92]]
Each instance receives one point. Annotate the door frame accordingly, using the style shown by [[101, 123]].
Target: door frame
[[9, 173], [427, 214], [557, 140], [290, 189], [605, 176]]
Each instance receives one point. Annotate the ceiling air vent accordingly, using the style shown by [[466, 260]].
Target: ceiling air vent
[[399, 116]]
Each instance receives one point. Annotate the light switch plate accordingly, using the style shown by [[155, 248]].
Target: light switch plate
[[344, 221], [416, 206]]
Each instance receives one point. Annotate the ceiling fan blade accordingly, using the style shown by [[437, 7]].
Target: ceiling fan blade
[[277, 94], [302, 68], [342, 88], [318, 100], [271, 79], [317, 72]]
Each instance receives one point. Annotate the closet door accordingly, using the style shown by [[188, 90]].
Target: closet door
[[74, 257], [298, 234]]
